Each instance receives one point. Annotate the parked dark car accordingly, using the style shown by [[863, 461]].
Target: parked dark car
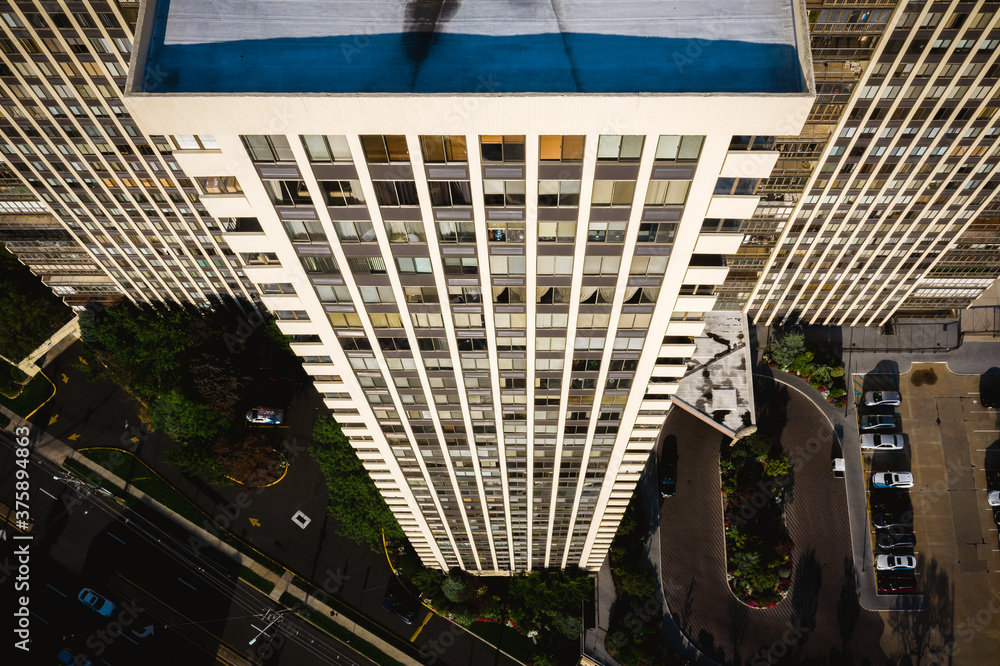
[[399, 609], [668, 482], [877, 422], [989, 388], [893, 519], [889, 541], [896, 583]]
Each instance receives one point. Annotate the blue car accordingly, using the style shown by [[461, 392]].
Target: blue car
[[96, 602]]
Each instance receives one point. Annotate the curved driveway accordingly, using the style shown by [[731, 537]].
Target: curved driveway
[[820, 622]]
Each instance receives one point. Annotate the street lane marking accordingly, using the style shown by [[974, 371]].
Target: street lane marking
[[48, 493], [421, 627], [116, 538], [53, 419], [188, 584], [123, 635], [55, 590], [39, 617]]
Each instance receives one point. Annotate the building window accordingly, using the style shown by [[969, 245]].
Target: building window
[[449, 194], [320, 265], [606, 232], [259, 258], [667, 192], [555, 148], [461, 266], [263, 148], [192, 141], [505, 232], [502, 148], [616, 148], [218, 185], [367, 265], [276, 288], [648, 265], [342, 192], [656, 232], [615, 193], [554, 265], [288, 192], [395, 193], [305, 231], [385, 148], [401, 231], [284, 315], [328, 294], [325, 149], [355, 232], [556, 232], [559, 193], [445, 149], [456, 232], [503, 193], [680, 148]]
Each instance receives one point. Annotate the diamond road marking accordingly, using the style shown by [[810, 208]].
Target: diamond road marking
[[301, 519]]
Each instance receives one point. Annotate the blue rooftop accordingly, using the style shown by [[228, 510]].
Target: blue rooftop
[[451, 46]]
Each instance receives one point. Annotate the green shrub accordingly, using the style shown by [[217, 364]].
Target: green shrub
[[837, 371], [639, 583], [837, 393], [454, 587], [777, 466], [569, 626], [787, 348]]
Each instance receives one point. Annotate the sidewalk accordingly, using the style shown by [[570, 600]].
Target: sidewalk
[[58, 453], [68, 334]]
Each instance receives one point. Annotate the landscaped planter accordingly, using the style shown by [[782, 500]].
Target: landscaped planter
[[758, 549]]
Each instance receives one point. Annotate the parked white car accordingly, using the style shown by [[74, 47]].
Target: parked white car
[[993, 497], [873, 398], [882, 442], [892, 480], [895, 562]]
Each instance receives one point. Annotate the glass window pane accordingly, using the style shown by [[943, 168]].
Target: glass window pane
[[602, 193], [455, 148], [690, 148], [260, 150], [407, 190], [623, 193], [550, 148], [573, 148], [608, 147], [492, 148], [396, 145], [433, 148], [374, 148], [316, 148], [282, 151], [339, 148], [631, 148], [666, 149]]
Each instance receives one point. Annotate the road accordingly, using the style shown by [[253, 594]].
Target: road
[[168, 600], [86, 413]]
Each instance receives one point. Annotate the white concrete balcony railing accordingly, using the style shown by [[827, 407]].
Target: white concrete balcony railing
[[749, 163], [649, 420], [281, 302], [677, 351], [732, 206], [269, 273], [227, 205], [247, 242], [656, 394], [307, 348], [671, 370], [694, 303], [718, 243], [693, 329], [203, 163], [295, 326], [706, 274]]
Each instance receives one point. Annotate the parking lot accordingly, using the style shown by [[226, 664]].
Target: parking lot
[[951, 443]]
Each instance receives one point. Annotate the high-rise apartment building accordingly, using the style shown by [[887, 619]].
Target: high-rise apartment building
[[880, 207], [92, 204], [492, 230]]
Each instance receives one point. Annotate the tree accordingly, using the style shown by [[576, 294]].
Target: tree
[[355, 502], [29, 312], [787, 348], [455, 586], [639, 583], [184, 420], [250, 460], [569, 626]]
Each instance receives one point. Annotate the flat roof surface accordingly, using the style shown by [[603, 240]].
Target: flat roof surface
[[470, 46]]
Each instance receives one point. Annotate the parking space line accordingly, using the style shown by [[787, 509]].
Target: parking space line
[[48, 493], [39, 617], [56, 591], [116, 538], [188, 584]]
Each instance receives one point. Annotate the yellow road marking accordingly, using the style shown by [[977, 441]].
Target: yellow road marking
[[253, 521], [73, 437], [421, 627], [53, 419], [65, 378]]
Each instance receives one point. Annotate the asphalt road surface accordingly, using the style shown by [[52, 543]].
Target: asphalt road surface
[[167, 600]]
